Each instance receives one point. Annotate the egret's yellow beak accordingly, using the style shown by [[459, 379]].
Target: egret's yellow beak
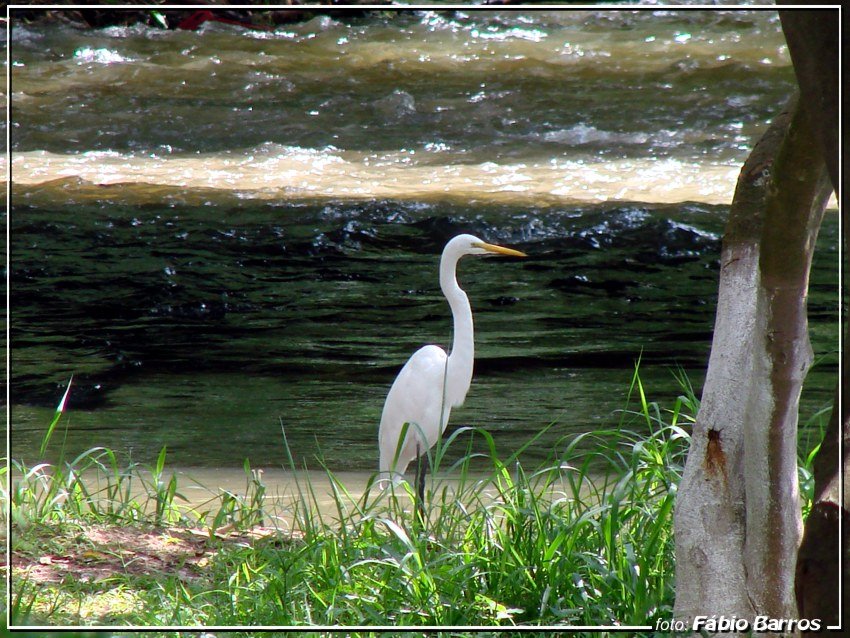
[[501, 250]]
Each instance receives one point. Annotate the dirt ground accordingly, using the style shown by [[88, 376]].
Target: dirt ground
[[98, 552]]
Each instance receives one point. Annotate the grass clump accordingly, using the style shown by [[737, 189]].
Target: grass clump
[[585, 539]]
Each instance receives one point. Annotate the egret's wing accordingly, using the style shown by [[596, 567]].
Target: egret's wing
[[416, 397]]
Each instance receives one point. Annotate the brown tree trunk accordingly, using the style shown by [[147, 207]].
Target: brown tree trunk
[[813, 38], [737, 519]]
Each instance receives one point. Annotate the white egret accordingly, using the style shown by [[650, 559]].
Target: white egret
[[431, 383]]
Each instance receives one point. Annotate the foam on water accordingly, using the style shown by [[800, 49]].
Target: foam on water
[[302, 173]]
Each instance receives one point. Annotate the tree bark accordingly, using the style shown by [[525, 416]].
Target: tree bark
[[737, 519], [813, 38], [709, 519], [795, 204]]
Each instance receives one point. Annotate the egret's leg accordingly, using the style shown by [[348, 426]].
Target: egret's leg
[[421, 469]]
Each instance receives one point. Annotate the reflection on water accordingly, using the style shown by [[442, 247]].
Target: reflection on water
[[226, 233]]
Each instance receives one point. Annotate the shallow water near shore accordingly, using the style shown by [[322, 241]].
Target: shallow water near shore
[[290, 495]]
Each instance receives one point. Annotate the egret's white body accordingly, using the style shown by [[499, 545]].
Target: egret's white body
[[432, 382]]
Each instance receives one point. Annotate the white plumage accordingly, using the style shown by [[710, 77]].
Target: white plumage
[[431, 383]]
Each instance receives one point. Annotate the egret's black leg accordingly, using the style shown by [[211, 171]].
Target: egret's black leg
[[421, 469]]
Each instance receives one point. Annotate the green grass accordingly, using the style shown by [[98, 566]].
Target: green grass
[[585, 539]]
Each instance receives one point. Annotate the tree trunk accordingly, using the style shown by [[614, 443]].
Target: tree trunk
[[813, 38], [737, 519], [795, 204]]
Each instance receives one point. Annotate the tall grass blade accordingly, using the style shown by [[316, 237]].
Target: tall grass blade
[[60, 409]]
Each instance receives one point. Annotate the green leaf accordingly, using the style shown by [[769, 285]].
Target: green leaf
[[159, 18], [160, 461]]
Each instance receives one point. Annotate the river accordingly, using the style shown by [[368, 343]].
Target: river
[[228, 235]]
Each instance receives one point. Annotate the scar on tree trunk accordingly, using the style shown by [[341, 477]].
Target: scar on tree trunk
[[715, 457]]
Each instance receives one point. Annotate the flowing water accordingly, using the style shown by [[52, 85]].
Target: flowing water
[[231, 235]]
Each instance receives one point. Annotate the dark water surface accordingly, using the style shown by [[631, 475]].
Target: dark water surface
[[221, 232]]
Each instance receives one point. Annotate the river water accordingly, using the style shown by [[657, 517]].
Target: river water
[[228, 235]]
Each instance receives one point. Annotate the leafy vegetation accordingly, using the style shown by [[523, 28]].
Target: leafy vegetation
[[584, 540]]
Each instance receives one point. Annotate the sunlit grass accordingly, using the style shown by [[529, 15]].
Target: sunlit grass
[[585, 539]]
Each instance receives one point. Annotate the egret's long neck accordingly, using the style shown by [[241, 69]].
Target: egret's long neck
[[459, 372]]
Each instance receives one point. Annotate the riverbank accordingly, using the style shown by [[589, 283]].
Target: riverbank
[[553, 546], [158, 15], [510, 546]]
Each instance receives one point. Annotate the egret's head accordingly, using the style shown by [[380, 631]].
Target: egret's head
[[472, 245]]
